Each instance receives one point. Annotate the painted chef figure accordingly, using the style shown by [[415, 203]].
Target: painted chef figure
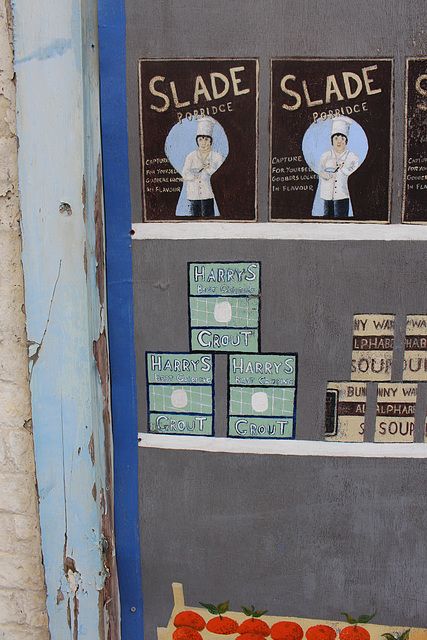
[[335, 166], [198, 167]]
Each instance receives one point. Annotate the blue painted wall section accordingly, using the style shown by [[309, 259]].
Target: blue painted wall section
[[61, 200], [112, 33]]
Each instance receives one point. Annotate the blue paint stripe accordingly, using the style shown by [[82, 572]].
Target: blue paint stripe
[[112, 53]]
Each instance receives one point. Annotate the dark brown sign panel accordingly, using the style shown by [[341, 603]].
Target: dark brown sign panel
[[415, 194], [330, 139], [198, 122]]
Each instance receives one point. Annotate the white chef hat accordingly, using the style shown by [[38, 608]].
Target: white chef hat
[[341, 125], [205, 126]]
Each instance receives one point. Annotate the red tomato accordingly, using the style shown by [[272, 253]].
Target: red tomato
[[286, 630], [189, 619], [224, 626], [354, 633], [320, 632], [186, 633], [254, 625]]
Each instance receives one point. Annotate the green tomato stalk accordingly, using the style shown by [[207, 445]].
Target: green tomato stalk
[[362, 620], [251, 613], [216, 610]]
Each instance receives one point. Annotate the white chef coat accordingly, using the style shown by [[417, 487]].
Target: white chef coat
[[336, 187], [198, 180]]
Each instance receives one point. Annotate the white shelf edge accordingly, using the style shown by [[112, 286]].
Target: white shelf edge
[[277, 231], [283, 447]]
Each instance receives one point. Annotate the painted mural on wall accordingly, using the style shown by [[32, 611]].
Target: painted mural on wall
[[395, 412], [211, 621], [415, 179], [415, 355], [345, 411], [373, 341], [224, 306], [330, 139], [180, 393], [224, 318], [372, 362], [198, 122], [262, 395]]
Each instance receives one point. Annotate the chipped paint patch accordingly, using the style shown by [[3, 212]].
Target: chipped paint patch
[[91, 447]]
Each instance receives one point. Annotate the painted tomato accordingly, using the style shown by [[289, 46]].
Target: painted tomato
[[222, 625], [287, 630], [186, 633], [320, 632], [250, 636], [354, 633], [256, 626], [189, 619]]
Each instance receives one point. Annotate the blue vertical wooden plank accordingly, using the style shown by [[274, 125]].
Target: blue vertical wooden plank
[[112, 47]]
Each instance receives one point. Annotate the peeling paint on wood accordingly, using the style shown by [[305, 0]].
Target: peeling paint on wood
[[99, 236], [111, 594], [65, 315], [91, 448]]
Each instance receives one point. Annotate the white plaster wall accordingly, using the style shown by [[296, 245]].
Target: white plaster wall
[[22, 587]]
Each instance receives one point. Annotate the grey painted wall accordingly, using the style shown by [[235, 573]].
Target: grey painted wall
[[306, 537], [298, 536]]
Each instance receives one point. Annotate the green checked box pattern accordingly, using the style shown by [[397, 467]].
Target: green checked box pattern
[[232, 312], [255, 401], [180, 399]]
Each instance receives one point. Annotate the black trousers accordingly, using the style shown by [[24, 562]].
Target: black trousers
[[336, 208], [202, 208]]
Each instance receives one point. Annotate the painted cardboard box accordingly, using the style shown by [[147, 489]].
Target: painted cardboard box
[[374, 631]]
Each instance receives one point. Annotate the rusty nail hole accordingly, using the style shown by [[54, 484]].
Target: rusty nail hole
[[64, 207], [133, 609], [132, 232]]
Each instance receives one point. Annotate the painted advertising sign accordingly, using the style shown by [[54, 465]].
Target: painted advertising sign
[[395, 412], [345, 411], [330, 139], [198, 123], [224, 306], [415, 357], [262, 395], [373, 342], [415, 182], [180, 393]]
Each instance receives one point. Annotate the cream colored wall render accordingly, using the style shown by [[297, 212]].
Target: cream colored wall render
[[22, 586]]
